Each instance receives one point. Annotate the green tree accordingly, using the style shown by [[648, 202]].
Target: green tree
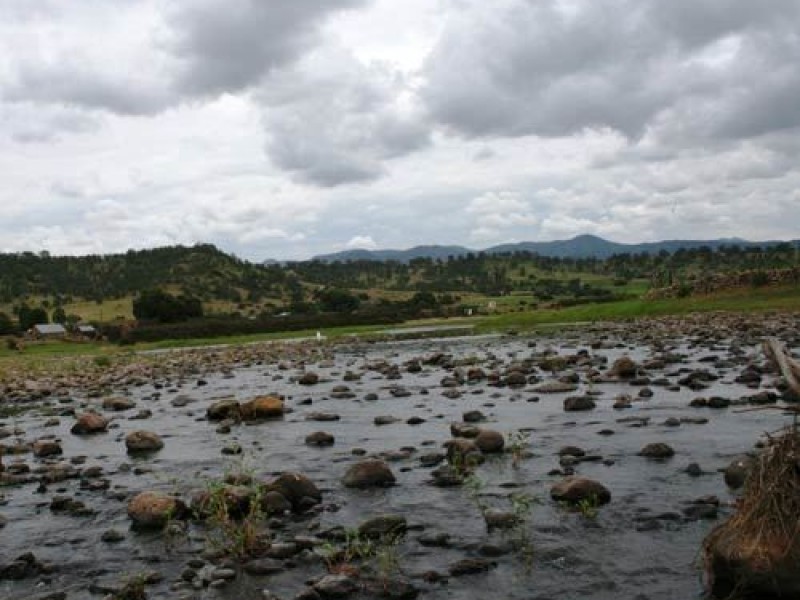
[[28, 317], [59, 315], [157, 305], [337, 300], [6, 324]]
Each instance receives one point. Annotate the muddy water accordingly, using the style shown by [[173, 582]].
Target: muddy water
[[625, 552]]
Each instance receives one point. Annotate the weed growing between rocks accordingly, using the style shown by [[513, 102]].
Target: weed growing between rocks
[[517, 445], [474, 486], [133, 588], [234, 514], [357, 555], [520, 534], [342, 557], [587, 507], [516, 525]]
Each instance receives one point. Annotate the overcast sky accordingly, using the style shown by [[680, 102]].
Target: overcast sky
[[288, 128]]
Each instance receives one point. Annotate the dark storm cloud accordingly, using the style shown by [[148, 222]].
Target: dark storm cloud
[[687, 69], [224, 46], [134, 58]]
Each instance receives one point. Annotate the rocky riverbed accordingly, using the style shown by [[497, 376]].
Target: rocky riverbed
[[582, 463]]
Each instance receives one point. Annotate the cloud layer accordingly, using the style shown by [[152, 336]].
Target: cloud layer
[[287, 129]]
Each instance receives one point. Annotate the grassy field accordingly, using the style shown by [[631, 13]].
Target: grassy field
[[743, 300]]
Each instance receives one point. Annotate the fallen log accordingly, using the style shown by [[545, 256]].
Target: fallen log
[[789, 368]]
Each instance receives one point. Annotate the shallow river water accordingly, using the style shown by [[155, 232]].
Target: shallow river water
[[639, 546]]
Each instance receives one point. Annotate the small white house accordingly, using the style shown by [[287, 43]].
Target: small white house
[[87, 331], [49, 331]]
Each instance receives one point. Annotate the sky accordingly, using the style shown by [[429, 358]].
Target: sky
[[280, 129]]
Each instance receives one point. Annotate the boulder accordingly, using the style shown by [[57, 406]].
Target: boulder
[[262, 407], [143, 441], [657, 450], [473, 416], [369, 473], [465, 430], [275, 503], [447, 476], [116, 403], [383, 525], [577, 489], [578, 403], [44, 448], [234, 500], [319, 438], [153, 510], [624, 367], [735, 474], [295, 487], [88, 423], [308, 378], [220, 410], [516, 379], [463, 453], [489, 441], [555, 387], [336, 586]]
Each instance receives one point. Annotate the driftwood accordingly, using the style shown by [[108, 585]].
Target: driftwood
[[790, 368]]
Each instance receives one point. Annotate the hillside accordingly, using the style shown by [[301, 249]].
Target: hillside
[[582, 246], [103, 288], [202, 271]]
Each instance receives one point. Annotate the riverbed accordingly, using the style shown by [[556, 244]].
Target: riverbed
[[644, 544]]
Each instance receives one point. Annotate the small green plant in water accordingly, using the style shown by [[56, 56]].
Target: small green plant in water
[[387, 559], [235, 533], [132, 588], [357, 550], [474, 486], [522, 506], [517, 445], [588, 507]]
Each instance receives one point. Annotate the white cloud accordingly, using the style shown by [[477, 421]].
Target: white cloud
[[364, 242]]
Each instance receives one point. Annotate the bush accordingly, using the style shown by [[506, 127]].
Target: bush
[[222, 326], [157, 305], [6, 324]]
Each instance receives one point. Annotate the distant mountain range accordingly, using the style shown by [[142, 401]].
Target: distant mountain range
[[582, 246]]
